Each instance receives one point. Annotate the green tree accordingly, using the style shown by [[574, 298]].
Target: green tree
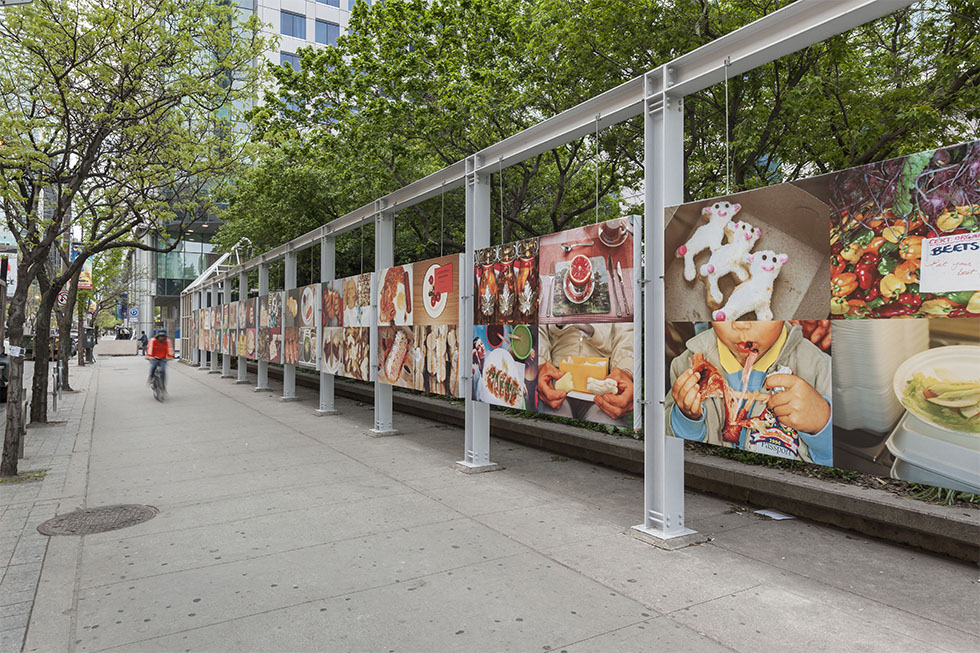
[[118, 113]]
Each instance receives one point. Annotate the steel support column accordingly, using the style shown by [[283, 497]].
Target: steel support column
[[328, 260], [225, 356], [195, 351], [663, 481], [262, 376], [289, 371], [477, 434], [213, 368], [384, 257], [242, 363]]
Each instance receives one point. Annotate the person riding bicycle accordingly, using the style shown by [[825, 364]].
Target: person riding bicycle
[[158, 351]]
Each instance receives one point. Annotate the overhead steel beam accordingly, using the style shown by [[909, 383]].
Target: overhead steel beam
[[788, 30]]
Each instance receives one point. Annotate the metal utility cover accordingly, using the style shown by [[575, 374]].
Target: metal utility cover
[[98, 520]]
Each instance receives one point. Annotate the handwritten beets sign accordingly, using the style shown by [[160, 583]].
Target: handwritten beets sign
[[950, 263]]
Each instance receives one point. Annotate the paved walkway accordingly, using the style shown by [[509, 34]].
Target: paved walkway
[[282, 531]]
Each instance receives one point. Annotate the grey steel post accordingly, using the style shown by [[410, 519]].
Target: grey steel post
[[262, 376], [477, 431], [384, 257], [195, 352], [202, 354], [289, 371], [242, 363], [54, 384], [328, 259], [226, 356], [663, 481], [214, 346]]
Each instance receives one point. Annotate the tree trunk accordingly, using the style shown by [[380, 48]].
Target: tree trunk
[[14, 427], [64, 328], [42, 356]]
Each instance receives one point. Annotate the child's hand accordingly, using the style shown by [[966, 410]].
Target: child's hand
[[799, 406], [686, 395]]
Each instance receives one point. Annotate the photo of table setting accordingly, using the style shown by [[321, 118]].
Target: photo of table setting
[[587, 274]]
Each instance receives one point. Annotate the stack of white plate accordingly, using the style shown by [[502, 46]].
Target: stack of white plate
[[866, 354]]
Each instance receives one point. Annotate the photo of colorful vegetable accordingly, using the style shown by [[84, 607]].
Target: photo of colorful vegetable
[[883, 215]]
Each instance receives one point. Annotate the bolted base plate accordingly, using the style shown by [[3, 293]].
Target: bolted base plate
[[374, 433], [266, 389], [325, 413], [468, 468], [684, 538], [214, 371], [241, 381], [227, 376], [288, 398]]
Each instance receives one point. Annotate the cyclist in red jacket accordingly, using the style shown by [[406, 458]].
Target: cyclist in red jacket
[[158, 352]]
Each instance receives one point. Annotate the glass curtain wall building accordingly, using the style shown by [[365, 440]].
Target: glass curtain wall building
[[160, 278]]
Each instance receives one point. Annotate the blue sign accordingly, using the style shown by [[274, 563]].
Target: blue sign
[[134, 312]]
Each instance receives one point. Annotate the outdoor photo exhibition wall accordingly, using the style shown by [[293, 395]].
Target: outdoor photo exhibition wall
[[833, 320]]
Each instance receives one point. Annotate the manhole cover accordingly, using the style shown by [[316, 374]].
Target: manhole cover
[[97, 520]]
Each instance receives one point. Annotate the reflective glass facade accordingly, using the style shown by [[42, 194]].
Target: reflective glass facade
[[176, 269]]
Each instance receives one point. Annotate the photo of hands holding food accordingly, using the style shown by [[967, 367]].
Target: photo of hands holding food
[[758, 386]]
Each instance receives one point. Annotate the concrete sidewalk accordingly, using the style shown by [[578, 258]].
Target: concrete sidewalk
[[282, 531]]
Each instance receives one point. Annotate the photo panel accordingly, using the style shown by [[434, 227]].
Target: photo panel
[[251, 313], [586, 372], [242, 346], [290, 342], [242, 312], [764, 387], [905, 235], [275, 310], [275, 345], [587, 274], [505, 368], [309, 303], [396, 302], [332, 303], [907, 400], [753, 255], [436, 356], [251, 349], [291, 306], [396, 356], [233, 315], [357, 292], [357, 353], [507, 284], [332, 350], [307, 353], [435, 296]]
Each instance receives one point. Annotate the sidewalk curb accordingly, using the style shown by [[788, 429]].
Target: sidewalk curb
[[52, 625], [940, 529]]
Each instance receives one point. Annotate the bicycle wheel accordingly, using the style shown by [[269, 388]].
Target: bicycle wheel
[[157, 387]]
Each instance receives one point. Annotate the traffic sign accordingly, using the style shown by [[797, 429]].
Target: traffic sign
[[134, 312], [63, 298]]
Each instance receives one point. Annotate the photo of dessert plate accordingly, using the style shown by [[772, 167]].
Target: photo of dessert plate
[[307, 305], [433, 309]]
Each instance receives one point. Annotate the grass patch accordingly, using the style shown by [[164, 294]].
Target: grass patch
[[25, 476]]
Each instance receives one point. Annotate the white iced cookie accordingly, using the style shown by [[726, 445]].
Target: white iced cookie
[[729, 259], [755, 294], [603, 387], [707, 236]]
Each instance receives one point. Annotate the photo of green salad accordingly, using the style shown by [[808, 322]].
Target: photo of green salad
[[953, 405]]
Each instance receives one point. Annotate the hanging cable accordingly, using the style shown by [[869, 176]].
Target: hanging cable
[[728, 62], [597, 167], [500, 174]]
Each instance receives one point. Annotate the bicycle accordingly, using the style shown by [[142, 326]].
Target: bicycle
[[157, 384]]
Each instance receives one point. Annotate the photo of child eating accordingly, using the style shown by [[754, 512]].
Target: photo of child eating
[[757, 386]]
